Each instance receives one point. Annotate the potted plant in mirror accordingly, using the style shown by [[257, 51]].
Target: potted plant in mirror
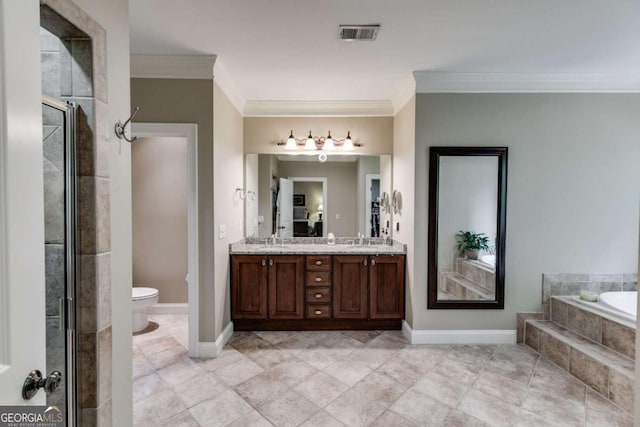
[[472, 243]]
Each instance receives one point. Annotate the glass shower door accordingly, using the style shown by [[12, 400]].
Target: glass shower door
[[58, 145]]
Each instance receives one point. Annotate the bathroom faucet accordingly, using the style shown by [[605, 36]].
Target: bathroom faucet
[[274, 239], [360, 238]]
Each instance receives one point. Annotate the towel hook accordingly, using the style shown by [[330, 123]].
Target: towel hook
[[120, 128]]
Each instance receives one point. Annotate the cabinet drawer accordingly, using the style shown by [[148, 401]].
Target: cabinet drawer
[[318, 311], [319, 262], [318, 278], [318, 295]]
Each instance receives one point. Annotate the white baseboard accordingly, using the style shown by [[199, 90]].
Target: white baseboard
[[213, 349], [479, 336], [169, 308]]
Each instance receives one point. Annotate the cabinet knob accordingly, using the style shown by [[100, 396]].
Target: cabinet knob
[[270, 261], [318, 312], [365, 262], [318, 262], [373, 262], [264, 262], [318, 295], [318, 279]]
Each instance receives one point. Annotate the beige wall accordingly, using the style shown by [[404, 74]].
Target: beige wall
[[262, 133], [572, 190], [341, 188], [189, 101], [313, 197], [386, 177], [159, 194], [404, 180], [228, 166], [267, 167]]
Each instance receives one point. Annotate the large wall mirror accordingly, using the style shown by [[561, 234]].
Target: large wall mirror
[[467, 227], [302, 195]]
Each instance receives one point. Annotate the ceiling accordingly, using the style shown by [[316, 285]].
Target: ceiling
[[287, 50]]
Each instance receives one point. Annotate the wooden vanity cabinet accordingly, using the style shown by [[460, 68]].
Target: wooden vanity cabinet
[[386, 287], [350, 286], [267, 287]]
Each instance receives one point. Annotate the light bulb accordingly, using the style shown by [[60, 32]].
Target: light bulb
[[348, 143], [291, 142], [328, 143], [310, 144]]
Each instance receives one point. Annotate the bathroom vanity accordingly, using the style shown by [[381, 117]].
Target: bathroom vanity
[[315, 286]]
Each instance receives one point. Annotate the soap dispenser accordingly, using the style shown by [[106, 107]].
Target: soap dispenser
[[331, 239]]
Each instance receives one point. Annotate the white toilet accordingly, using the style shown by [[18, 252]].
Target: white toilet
[[143, 298]]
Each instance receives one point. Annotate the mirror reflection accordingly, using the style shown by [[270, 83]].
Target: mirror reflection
[[300, 196], [466, 224]]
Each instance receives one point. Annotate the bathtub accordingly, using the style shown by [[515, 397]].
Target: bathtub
[[626, 302], [489, 260]]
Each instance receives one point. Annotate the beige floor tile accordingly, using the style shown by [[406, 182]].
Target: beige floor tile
[[460, 419], [547, 403], [391, 419], [424, 356], [146, 386], [380, 388], [157, 408], [220, 410], [355, 409], [291, 372], [372, 358], [238, 372], [275, 337], [180, 372], [252, 419], [199, 388], [322, 419], [158, 344], [141, 367], [488, 409], [442, 387], [320, 358], [501, 387], [348, 371], [183, 419], [321, 389], [389, 340], [420, 408], [457, 370], [168, 357], [472, 354], [228, 356], [601, 412], [401, 371], [260, 389], [290, 409], [270, 357], [362, 336], [544, 419]]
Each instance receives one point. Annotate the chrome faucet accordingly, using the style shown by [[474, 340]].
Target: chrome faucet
[[360, 238]]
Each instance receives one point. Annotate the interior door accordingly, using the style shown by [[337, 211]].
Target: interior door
[[285, 208], [22, 277]]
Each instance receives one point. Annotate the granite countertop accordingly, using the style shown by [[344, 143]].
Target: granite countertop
[[303, 245]]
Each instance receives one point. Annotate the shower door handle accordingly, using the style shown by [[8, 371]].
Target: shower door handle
[[35, 382]]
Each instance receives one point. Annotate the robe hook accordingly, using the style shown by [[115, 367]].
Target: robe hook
[[120, 128]]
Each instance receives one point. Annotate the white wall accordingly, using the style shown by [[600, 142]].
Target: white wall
[[404, 180], [159, 207], [251, 183], [467, 201], [572, 192], [228, 209], [386, 177]]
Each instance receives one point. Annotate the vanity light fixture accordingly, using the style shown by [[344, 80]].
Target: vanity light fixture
[[327, 143]]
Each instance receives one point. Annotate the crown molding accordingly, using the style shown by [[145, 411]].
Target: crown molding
[[172, 66], [221, 78], [364, 108], [451, 82]]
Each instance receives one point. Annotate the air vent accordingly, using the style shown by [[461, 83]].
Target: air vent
[[358, 32]]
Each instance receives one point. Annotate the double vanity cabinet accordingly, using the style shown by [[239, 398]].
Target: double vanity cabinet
[[312, 287]]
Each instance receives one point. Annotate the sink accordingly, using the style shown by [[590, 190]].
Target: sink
[[263, 247]]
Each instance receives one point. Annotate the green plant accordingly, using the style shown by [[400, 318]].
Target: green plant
[[468, 241]]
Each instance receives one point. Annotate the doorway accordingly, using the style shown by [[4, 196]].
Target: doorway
[[187, 132], [307, 203], [372, 205]]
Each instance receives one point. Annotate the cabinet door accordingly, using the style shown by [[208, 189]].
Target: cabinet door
[[350, 286], [286, 287], [249, 286], [386, 285]]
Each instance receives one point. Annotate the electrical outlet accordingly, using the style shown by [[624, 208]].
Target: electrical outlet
[[222, 231], [337, 216]]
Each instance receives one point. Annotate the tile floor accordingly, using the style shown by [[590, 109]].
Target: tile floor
[[353, 378]]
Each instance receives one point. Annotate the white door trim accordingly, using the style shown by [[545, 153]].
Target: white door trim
[[190, 132], [368, 178], [325, 199]]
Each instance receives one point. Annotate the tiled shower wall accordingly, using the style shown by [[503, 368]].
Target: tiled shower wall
[[74, 69], [572, 283]]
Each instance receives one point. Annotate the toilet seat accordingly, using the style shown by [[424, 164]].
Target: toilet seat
[[141, 293]]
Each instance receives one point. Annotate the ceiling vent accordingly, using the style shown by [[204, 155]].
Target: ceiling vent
[[358, 32]]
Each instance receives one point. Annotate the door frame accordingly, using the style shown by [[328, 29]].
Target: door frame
[[190, 132], [367, 201], [325, 199]]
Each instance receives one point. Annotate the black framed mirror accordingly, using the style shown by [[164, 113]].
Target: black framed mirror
[[467, 227]]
